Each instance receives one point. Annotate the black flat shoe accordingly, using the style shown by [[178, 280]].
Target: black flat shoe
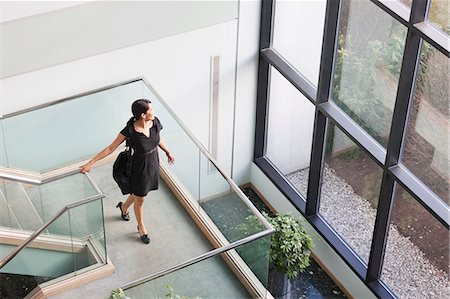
[[144, 238], [126, 216]]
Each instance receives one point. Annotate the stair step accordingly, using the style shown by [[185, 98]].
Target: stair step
[[22, 206], [7, 217]]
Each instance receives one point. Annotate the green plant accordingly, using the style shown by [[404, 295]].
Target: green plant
[[118, 294], [290, 245]]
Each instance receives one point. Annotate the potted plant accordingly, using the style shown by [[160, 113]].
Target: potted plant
[[290, 248]]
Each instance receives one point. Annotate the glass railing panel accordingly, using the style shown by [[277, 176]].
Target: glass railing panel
[[49, 256], [28, 207], [22, 212], [7, 219], [72, 129], [224, 205], [52, 196], [73, 241], [185, 151], [210, 278], [88, 228]]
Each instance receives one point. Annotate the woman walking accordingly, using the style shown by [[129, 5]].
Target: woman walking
[[143, 134]]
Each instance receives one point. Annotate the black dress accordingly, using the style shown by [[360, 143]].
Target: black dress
[[145, 166]]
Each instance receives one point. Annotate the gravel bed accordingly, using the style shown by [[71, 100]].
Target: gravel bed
[[406, 270]]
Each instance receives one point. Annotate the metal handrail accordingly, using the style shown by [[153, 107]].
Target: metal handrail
[[42, 228], [199, 258]]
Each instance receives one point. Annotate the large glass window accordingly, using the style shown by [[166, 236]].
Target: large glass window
[[426, 151], [289, 131], [439, 14], [298, 33], [416, 263], [368, 62], [350, 190]]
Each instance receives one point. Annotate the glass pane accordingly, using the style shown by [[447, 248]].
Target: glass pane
[[350, 190], [224, 206], [49, 256], [439, 15], [298, 33], [67, 142], [416, 262], [22, 209], [185, 151], [48, 199], [7, 218], [289, 131], [426, 150], [367, 67], [212, 278], [88, 231]]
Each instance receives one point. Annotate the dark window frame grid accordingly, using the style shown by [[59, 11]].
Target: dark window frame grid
[[388, 159]]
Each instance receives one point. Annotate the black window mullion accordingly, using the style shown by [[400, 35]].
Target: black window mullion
[[404, 98], [323, 92], [263, 78]]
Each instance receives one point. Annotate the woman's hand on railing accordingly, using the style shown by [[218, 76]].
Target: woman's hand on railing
[[86, 167]]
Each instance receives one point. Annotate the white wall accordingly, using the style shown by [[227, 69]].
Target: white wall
[[178, 68], [298, 31], [96, 27], [246, 80]]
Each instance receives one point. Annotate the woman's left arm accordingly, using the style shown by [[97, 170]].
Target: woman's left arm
[[163, 146]]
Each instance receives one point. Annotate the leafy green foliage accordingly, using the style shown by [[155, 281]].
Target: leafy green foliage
[[118, 294], [290, 245], [365, 80]]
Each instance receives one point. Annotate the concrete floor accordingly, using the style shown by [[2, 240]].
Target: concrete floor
[[174, 238]]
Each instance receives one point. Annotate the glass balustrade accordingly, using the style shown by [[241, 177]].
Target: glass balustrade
[[212, 277], [28, 207], [65, 248], [74, 130]]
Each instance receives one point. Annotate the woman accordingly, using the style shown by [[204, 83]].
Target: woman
[[143, 134]]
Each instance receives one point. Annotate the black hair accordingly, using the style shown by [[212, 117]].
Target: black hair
[[138, 107]]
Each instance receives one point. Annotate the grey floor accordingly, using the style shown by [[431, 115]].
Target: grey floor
[[175, 238]]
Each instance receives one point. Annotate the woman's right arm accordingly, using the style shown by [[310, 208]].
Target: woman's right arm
[[105, 152]]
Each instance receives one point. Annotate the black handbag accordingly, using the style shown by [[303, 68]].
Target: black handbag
[[122, 167], [122, 170]]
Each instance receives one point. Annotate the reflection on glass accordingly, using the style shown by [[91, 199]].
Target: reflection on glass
[[67, 142], [439, 15], [187, 166], [298, 32], [426, 151], [416, 262], [87, 227], [211, 278], [45, 258], [289, 131], [367, 67], [349, 193]]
